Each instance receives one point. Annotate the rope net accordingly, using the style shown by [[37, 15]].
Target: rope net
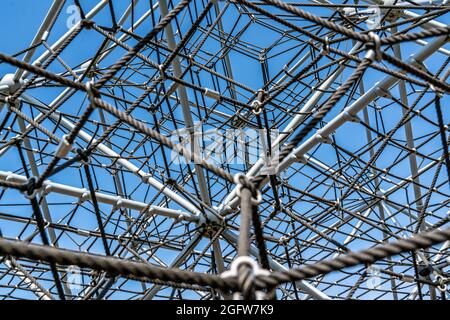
[[224, 150]]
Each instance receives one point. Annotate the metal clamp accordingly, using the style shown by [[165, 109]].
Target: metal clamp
[[84, 196], [442, 283], [257, 107], [242, 181], [326, 46], [255, 269], [31, 191]]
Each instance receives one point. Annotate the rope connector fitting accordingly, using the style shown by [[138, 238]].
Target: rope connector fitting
[[88, 24], [257, 107], [235, 271], [242, 181], [326, 47], [442, 283], [31, 190]]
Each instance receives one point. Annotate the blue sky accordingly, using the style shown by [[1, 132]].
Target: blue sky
[[20, 20]]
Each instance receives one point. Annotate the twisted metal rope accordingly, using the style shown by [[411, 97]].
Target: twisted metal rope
[[146, 272], [140, 126], [115, 266], [321, 113], [369, 256]]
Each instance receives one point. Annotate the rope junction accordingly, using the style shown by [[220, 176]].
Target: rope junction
[[348, 185]]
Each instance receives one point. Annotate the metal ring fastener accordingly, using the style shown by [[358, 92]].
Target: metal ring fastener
[[241, 180], [256, 271], [257, 107], [442, 283], [31, 191]]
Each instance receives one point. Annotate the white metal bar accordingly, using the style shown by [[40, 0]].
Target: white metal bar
[[84, 195]]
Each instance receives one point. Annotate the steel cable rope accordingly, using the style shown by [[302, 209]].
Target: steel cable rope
[[310, 195], [41, 224], [244, 278], [308, 66], [334, 204], [386, 170], [22, 89], [442, 130], [33, 123], [418, 21], [436, 31], [143, 271], [378, 198], [119, 117], [374, 65], [421, 216], [55, 106], [213, 238], [143, 96], [301, 30], [161, 68], [113, 70], [185, 56], [96, 207], [45, 73], [417, 72], [321, 112], [305, 222], [368, 256], [162, 139], [356, 5], [54, 55], [133, 270], [365, 39], [385, 142], [287, 151]]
